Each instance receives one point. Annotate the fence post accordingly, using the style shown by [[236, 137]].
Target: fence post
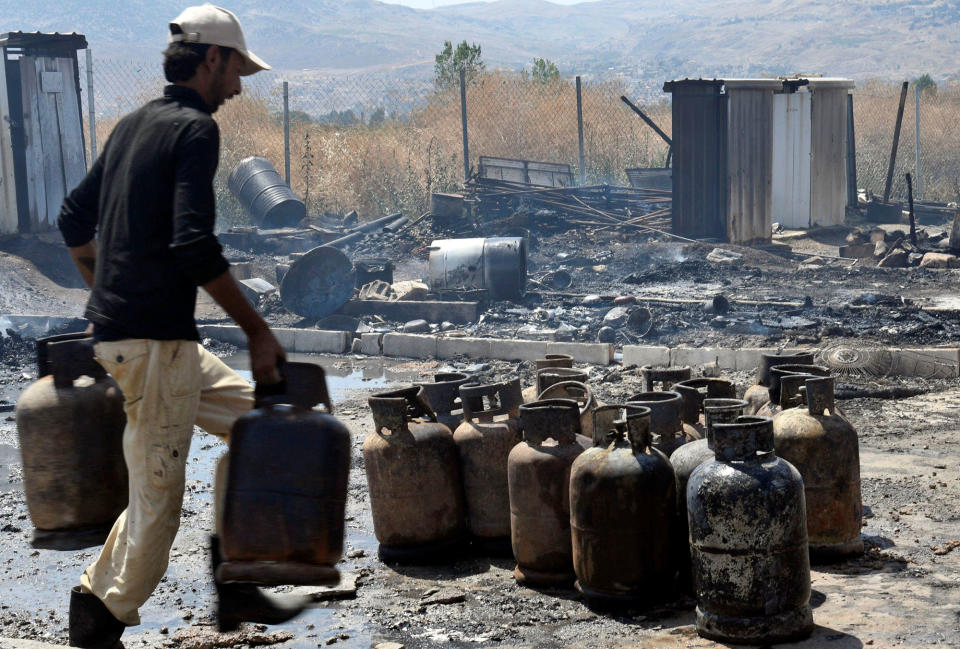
[[463, 121], [286, 132], [916, 115], [583, 171], [91, 108], [896, 143]]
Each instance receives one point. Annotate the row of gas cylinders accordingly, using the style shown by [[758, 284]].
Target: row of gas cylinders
[[686, 489]]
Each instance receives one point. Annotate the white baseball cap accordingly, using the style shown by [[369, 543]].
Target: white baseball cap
[[212, 25]]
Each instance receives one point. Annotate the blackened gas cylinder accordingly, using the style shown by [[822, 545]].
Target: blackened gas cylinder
[[565, 361], [489, 431], [692, 394], [443, 397], [669, 430], [622, 518], [824, 448], [286, 488], [538, 470], [413, 473], [772, 407], [758, 395], [748, 540], [70, 424]]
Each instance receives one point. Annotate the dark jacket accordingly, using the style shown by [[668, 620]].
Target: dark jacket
[[149, 200]]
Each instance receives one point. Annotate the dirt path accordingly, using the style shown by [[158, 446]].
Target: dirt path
[[904, 592]]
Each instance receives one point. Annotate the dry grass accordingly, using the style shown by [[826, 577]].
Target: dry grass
[[394, 165]]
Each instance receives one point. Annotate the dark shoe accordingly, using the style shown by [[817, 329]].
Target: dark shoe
[[92, 625], [237, 603]]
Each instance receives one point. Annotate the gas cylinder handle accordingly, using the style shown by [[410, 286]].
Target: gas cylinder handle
[[638, 428], [44, 368], [549, 376], [393, 410], [740, 441], [664, 411], [550, 418], [71, 359], [301, 384], [792, 391], [820, 397], [506, 395], [720, 411]]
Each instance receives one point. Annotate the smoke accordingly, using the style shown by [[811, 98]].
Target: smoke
[[4, 325]]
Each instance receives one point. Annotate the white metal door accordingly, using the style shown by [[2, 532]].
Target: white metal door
[[791, 159], [56, 161]]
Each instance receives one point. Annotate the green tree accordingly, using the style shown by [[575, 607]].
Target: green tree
[[544, 71], [449, 62], [926, 84]]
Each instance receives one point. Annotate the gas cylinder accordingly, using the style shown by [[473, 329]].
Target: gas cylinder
[[603, 422], [664, 377], [443, 397], [748, 540], [70, 424], [694, 391], [759, 394], [687, 458], [668, 428], [583, 395], [484, 441], [286, 486], [824, 448], [622, 518], [531, 392], [538, 471], [772, 407], [413, 473], [549, 375]]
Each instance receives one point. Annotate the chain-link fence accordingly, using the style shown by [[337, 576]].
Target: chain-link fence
[[382, 142]]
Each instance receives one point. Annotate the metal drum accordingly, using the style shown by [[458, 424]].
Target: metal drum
[[263, 194], [318, 283], [496, 264]]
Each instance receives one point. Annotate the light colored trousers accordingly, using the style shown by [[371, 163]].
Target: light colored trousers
[[168, 386]]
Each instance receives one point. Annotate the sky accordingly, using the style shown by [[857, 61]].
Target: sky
[[430, 4]]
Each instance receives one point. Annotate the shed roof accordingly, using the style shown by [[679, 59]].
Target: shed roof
[[40, 41]]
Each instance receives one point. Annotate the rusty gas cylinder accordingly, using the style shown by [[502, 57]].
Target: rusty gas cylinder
[[538, 471], [772, 407], [548, 361], [670, 433], [823, 446], [694, 391], [583, 395], [748, 540], [663, 378], [622, 518], [687, 458], [547, 376], [70, 425], [282, 518], [443, 397], [603, 422], [413, 473], [489, 431], [758, 395]]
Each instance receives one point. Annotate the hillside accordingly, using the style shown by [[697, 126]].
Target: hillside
[[645, 39]]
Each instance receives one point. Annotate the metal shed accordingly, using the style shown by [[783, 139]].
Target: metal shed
[[810, 152], [699, 110], [42, 154]]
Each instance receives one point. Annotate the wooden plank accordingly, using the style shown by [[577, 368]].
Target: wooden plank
[[51, 136], [71, 128], [36, 194], [431, 311], [9, 221]]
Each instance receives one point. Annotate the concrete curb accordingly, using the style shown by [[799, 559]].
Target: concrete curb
[[37, 326], [927, 362], [15, 643]]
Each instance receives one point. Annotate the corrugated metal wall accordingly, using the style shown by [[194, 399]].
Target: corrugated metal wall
[[828, 151], [9, 216], [699, 158], [750, 166], [791, 159]]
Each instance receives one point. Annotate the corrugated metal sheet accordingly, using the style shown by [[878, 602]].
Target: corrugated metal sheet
[[750, 162], [828, 150], [9, 220], [791, 159], [699, 158]]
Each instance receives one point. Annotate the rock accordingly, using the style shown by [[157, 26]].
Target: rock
[[914, 258], [718, 305], [616, 317], [878, 234], [444, 596], [857, 237], [281, 272], [881, 249], [607, 335], [346, 589], [592, 300], [857, 250], [389, 645], [625, 299], [565, 332], [355, 346], [813, 261], [939, 260], [356, 554], [721, 256], [351, 218], [447, 326], [410, 289], [416, 327], [895, 259]]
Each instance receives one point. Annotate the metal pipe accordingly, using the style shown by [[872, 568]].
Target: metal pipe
[[376, 223], [580, 131], [463, 121], [286, 133], [896, 142], [91, 109], [650, 122], [916, 115], [913, 218]]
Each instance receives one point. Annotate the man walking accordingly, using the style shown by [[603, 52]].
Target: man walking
[[150, 202]]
